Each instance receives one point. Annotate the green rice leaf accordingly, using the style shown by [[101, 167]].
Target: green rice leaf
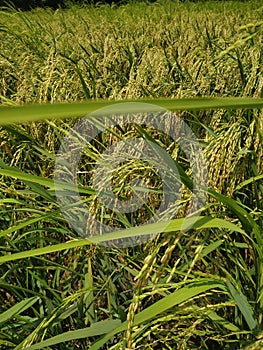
[[243, 305], [95, 329], [167, 226], [36, 112], [248, 181], [17, 309]]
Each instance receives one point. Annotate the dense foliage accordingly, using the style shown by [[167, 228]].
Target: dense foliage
[[195, 289]]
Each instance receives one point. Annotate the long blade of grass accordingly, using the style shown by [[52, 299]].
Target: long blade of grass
[[40, 180], [26, 113], [28, 222], [166, 226], [243, 305], [95, 329], [248, 181], [17, 309]]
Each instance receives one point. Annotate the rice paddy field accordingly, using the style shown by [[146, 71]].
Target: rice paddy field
[[195, 288]]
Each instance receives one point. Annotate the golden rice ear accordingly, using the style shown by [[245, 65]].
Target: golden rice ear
[[238, 143]]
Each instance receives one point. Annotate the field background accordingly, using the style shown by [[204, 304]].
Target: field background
[[196, 290]]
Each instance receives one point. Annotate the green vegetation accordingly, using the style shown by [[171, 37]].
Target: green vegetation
[[195, 289]]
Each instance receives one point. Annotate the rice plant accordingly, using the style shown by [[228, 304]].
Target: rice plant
[[199, 288]]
